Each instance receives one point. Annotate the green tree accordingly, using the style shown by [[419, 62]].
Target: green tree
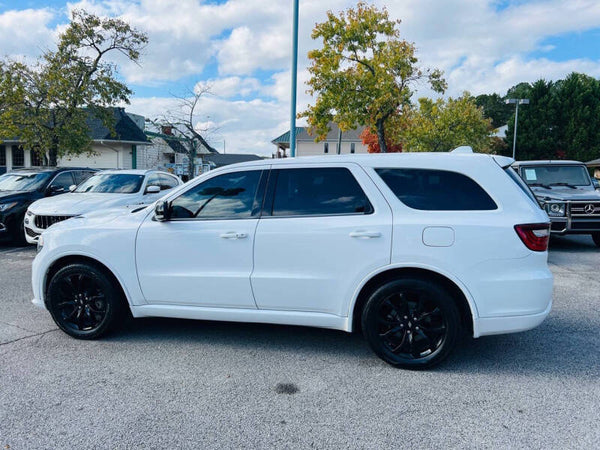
[[562, 120], [441, 125], [47, 104], [494, 108], [364, 73]]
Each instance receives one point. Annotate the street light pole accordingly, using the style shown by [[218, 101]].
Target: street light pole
[[294, 80], [517, 102]]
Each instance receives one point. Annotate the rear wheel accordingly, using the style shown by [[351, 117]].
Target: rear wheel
[[411, 323], [596, 238], [83, 301]]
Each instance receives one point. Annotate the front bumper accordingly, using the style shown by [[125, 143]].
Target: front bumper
[[581, 217]]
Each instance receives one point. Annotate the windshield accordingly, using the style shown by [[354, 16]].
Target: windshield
[[16, 181], [555, 175], [112, 183]]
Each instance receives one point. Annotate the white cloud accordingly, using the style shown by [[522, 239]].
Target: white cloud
[[25, 33], [480, 48]]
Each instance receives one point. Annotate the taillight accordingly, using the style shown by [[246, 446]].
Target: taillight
[[535, 236]]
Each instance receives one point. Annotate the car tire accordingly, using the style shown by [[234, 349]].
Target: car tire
[[84, 302], [596, 238], [389, 325]]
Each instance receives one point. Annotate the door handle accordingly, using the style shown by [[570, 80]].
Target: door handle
[[360, 234], [233, 235]]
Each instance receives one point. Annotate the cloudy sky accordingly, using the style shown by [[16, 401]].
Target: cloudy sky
[[242, 49]]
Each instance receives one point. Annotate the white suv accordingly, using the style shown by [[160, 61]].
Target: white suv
[[409, 248]]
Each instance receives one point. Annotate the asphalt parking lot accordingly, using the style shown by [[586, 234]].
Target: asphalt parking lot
[[190, 384]]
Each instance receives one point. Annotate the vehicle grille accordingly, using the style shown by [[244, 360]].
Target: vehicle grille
[[31, 233], [44, 222], [580, 209]]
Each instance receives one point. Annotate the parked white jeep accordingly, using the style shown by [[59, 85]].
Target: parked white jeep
[[409, 248]]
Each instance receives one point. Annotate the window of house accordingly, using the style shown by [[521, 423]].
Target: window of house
[[352, 147], [18, 156], [326, 147], [227, 196], [319, 191], [2, 155], [436, 190]]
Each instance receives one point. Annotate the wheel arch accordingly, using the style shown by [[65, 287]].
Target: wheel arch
[[466, 305], [63, 261]]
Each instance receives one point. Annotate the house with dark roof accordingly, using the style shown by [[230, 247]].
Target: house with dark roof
[[306, 145], [118, 150]]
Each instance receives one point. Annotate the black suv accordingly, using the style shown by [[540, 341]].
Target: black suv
[[20, 188], [567, 193]]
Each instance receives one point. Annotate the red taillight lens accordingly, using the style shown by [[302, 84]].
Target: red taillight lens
[[535, 236]]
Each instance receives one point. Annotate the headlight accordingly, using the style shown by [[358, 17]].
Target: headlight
[[555, 209], [40, 243], [5, 206]]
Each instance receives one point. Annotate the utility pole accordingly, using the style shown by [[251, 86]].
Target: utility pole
[[294, 80], [517, 102]]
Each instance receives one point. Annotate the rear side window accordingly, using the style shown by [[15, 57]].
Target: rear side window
[[436, 190], [319, 191], [512, 173]]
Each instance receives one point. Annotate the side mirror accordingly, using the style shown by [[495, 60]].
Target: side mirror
[[596, 183], [72, 187], [55, 190], [162, 211], [152, 190]]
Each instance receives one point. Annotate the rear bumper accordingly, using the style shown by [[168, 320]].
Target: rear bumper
[[486, 326]]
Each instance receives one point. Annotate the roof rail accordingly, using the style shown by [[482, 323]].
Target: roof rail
[[462, 149]]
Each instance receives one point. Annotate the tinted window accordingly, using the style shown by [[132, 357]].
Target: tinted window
[[228, 196], [118, 183], [320, 191], [167, 182], [2, 155], [153, 180], [62, 181], [438, 190], [522, 185], [82, 175]]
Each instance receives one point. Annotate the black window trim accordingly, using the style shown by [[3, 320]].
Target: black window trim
[[254, 213], [267, 212]]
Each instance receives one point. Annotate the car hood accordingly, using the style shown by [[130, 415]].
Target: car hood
[[75, 203], [565, 193], [121, 216], [6, 196]]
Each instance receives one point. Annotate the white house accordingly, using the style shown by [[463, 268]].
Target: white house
[[109, 151], [306, 145]]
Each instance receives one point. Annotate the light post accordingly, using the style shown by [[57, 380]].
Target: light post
[[294, 80], [517, 102]]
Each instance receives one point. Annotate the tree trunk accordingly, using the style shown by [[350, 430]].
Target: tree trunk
[[381, 136], [192, 160], [53, 153]]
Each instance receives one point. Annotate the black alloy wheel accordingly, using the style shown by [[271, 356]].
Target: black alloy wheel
[[411, 323], [83, 301]]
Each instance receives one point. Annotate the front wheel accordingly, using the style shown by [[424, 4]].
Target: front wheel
[[411, 323], [83, 301], [596, 238]]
